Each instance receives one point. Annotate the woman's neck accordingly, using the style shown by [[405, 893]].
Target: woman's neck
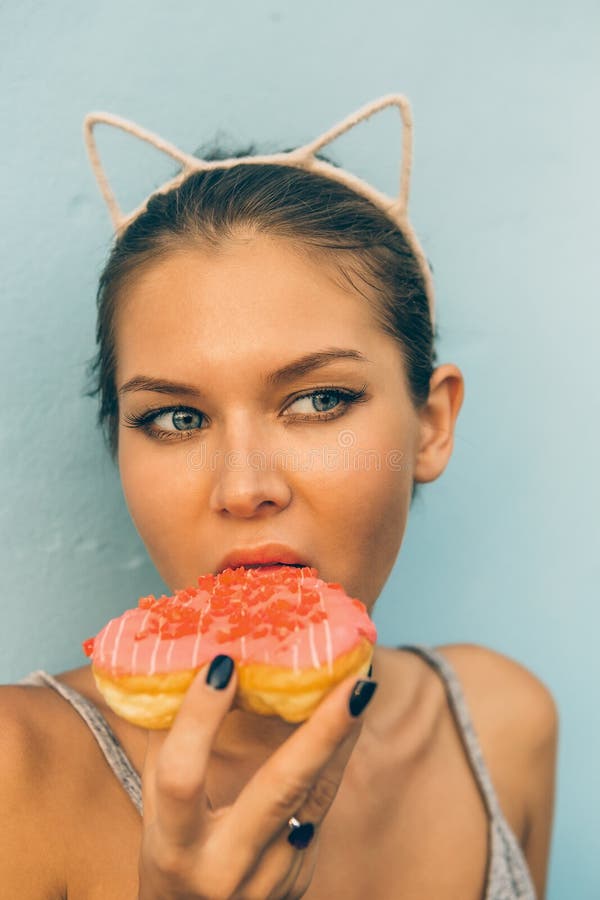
[[244, 735]]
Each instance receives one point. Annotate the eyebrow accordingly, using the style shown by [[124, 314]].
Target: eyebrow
[[295, 369]]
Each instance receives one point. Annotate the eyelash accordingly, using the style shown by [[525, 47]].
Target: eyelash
[[144, 420]]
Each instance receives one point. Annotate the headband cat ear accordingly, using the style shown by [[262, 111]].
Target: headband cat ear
[[399, 205], [396, 208]]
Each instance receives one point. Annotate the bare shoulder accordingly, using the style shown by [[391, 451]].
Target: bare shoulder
[[31, 852], [504, 696], [517, 721], [26, 737]]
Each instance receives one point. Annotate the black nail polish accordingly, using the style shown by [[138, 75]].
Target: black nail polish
[[370, 672], [302, 835], [362, 693], [219, 672]]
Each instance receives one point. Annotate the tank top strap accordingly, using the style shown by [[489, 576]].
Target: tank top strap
[[460, 710], [107, 740]]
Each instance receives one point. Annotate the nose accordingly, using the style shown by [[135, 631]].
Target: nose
[[249, 483]]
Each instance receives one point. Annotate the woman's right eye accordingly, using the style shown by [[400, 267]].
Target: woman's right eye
[[184, 420]]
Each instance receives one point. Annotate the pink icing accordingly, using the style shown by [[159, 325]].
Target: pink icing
[[341, 622]]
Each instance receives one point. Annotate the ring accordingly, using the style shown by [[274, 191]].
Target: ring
[[300, 835]]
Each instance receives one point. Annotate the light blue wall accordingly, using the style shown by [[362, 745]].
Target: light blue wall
[[503, 549]]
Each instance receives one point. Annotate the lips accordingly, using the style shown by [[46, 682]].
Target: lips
[[263, 555]]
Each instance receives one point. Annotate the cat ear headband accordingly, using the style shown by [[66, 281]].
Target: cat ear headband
[[396, 208]]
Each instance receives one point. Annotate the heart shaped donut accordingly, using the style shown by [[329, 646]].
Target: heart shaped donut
[[293, 638]]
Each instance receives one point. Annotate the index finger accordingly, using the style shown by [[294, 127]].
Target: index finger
[[176, 761]]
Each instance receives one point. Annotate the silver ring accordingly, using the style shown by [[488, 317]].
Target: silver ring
[[301, 834]]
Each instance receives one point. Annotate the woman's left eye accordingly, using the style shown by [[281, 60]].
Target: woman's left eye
[[324, 402]]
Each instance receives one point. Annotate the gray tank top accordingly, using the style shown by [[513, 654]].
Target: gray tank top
[[508, 876]]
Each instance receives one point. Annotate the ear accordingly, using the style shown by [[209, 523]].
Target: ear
[[399, 204], [188, 163]]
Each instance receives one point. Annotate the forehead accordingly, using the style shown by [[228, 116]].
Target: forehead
[[259, 297]]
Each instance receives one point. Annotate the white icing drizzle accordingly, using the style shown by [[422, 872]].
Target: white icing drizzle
[[170, 652], [136, 643], [196, 649], [321, 601], [101, 659], [243, 646], [296, 627], [117, 642], [313, 646], [328, 646], [327, 630], [152, 669], [198, 641]]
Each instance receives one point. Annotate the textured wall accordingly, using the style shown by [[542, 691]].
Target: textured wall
[[503, 549]]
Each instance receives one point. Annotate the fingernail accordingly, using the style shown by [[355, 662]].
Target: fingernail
[[362, 693], [370, 672], [219, 672]]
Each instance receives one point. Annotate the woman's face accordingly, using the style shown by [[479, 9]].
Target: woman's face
[[252, 459]]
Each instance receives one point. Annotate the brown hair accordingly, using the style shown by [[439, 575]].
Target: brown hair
[[317, 213]]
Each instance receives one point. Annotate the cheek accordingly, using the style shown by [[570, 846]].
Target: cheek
[[159, 493], [361, 504], [374, 521]]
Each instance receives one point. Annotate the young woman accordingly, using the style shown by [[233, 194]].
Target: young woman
[[267, 383]]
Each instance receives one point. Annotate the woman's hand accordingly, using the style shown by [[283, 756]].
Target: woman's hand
[[238, 852]]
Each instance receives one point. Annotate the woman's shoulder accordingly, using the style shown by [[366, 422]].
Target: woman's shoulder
[[505, 698], [35, 740], [516, 718], [31, 727], [61, 800], [30, 760]]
